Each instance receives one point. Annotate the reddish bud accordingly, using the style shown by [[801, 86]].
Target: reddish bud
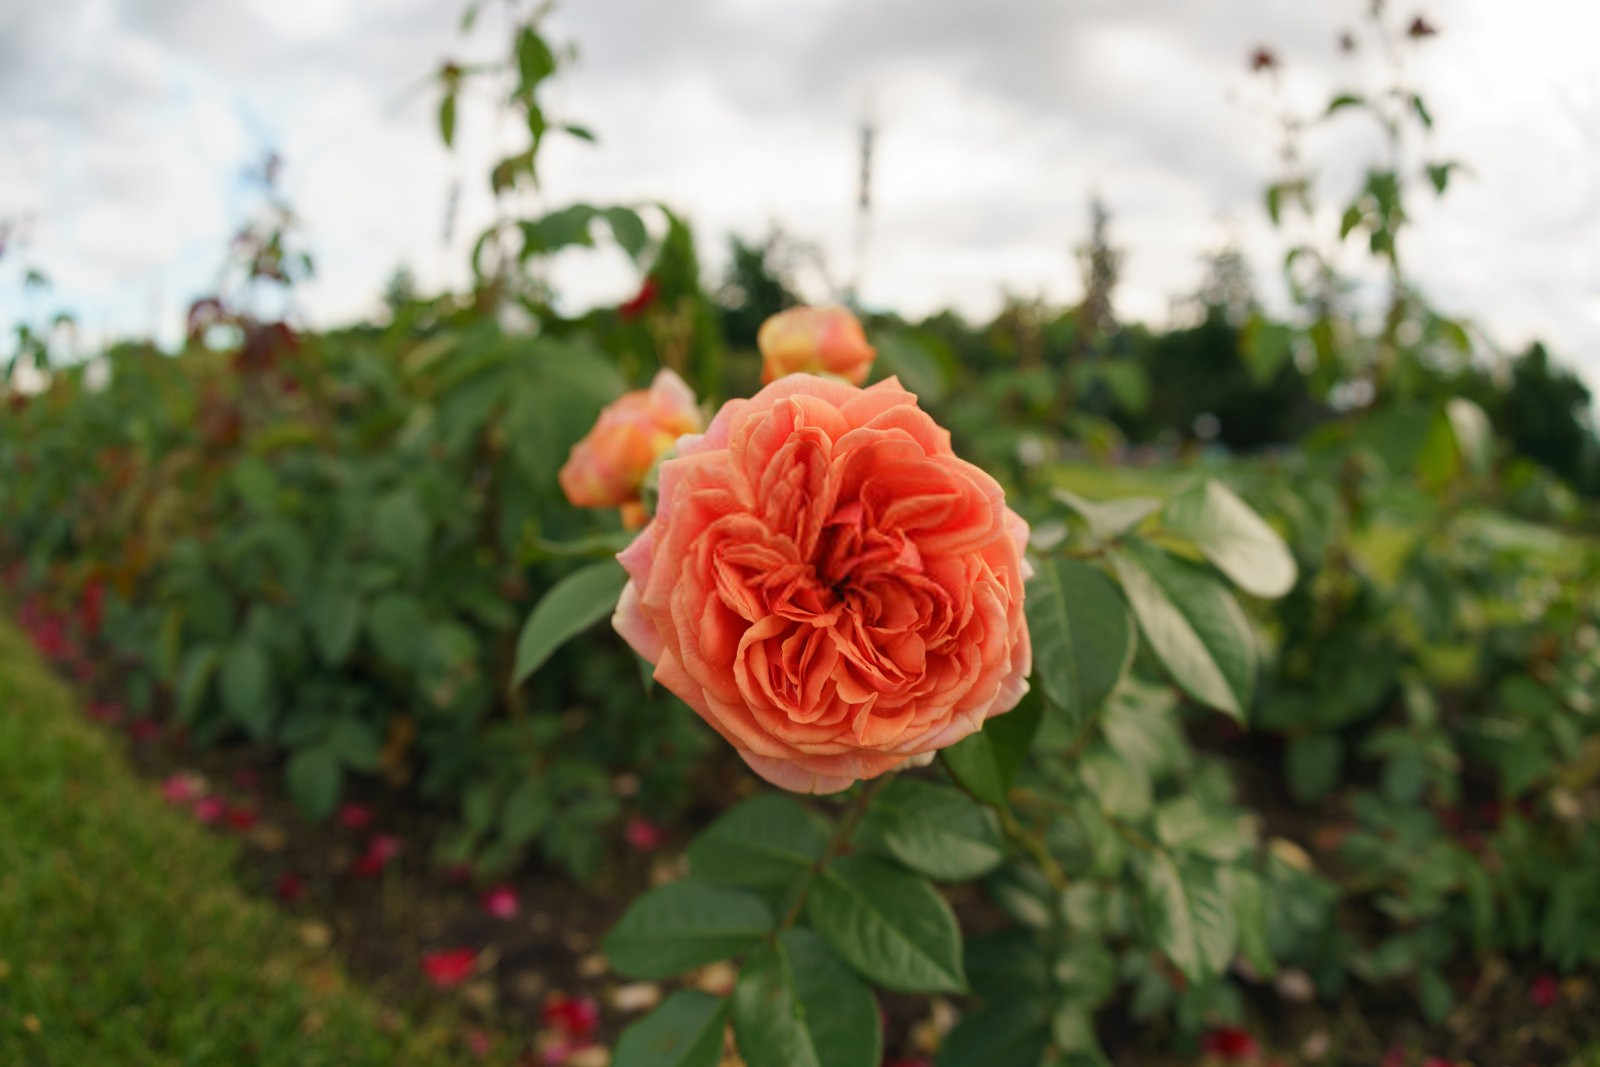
[[355, 817], [1231, 1042], [501, 902], [209, 809], [642, 834], [576, 1017], [640, 302], [450, 967]]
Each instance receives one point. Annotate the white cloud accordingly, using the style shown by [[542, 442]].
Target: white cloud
[[129, 122]]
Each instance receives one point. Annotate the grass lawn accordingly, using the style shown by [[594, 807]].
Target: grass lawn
[[123, 938]]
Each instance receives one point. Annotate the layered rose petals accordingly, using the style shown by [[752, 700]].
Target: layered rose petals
[[814, 340], [607, 468], [828, 585]]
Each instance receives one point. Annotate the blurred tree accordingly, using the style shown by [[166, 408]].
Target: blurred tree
[[756, 286], [1545, 413]]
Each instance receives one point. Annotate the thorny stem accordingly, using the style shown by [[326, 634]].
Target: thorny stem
[[1033, 843], [836, 845]]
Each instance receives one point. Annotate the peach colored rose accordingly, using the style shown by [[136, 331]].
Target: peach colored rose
[[808, 340], [607, 467], [829, 585]]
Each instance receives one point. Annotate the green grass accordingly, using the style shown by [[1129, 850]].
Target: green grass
[[123, 938]]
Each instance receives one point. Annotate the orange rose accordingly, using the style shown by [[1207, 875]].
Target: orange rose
[[807, 340], [829, 585], [607, 467]]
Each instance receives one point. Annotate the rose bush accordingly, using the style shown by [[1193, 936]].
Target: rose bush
[[828, 585], [815, 340]]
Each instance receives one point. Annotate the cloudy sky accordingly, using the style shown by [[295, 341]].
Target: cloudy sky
[[126, 127]]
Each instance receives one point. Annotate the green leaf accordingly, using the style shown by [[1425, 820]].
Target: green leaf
[[582, 133], [933, 829], [1439, 174], [447, 119], [768, 840], [682, 925], [1184, 824], [796, 1005], [889, 924], [1072, 1030], [1195, 627], [1246, 895], [1344, 100], [1190, 920], [1108, 519], [1433, 994], [685, 1031], [1421, 109], [1473, 435], [199, 665], [1350, 220], [909, 359], [628, 230], [528, 808], [1123, 789], [400, 528], [535, 61], [312, 777], [1312, 763], [1082, 636], [1005, 1034], [985, 763], [334, 619], [572, 605], [246, 688], [1233, 537], [398, 624]]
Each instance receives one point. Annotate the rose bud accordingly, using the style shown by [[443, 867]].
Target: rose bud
[[808, 340], [607, 467], [828, 585]]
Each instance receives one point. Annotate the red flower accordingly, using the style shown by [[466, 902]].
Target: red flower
[[450, 967], [380, 850], [576, 1017], [181, 789], [1420, 28], [1232, 1043], [209, 809], [642, 834], [355, 817], [640, 302], [1395, 1057], [501, 902], [1263, 58], [240, 817], [1545, 991], [290, 888]]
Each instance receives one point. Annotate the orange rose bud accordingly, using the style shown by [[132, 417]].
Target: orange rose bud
[[808, 340], [828, 585], [607, 467]]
